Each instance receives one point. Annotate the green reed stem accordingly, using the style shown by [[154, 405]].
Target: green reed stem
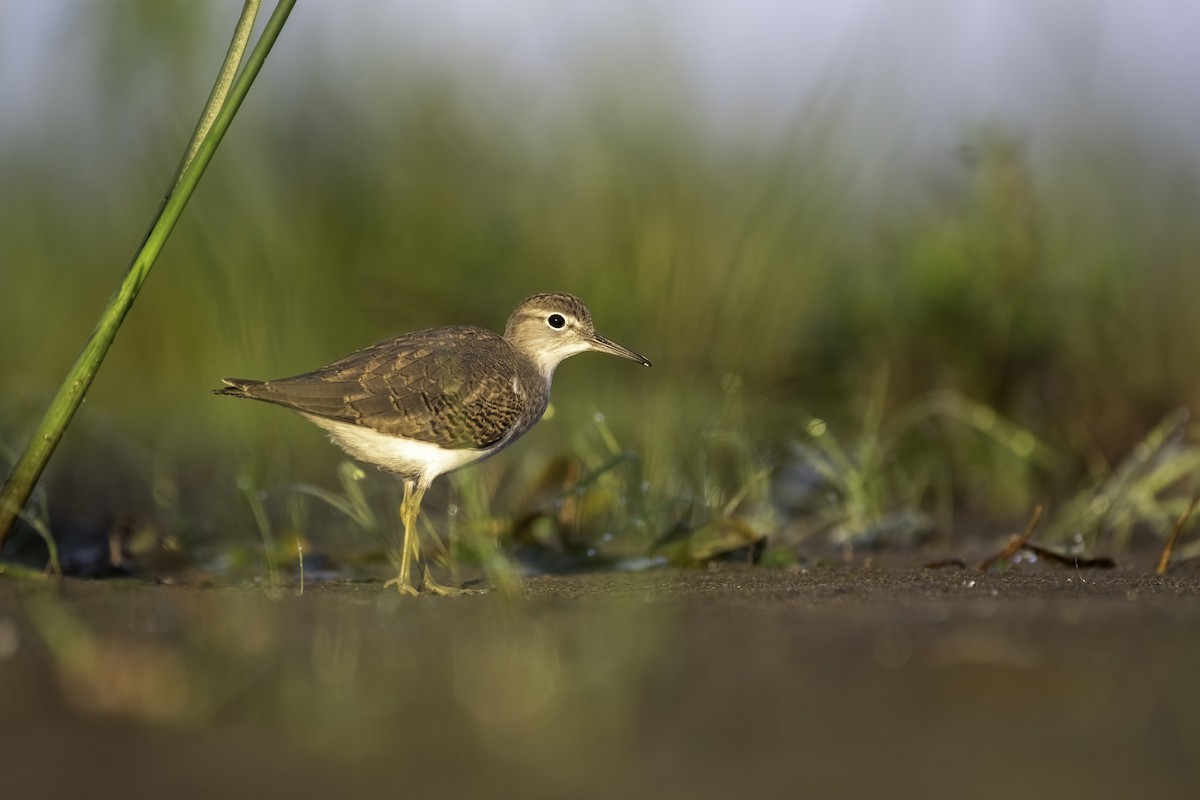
[[223, 103]]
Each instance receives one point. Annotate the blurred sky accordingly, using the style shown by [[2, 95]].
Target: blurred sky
[[953, 61]]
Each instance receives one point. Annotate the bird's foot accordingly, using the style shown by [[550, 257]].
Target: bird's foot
[[428, 584], [403, 586]]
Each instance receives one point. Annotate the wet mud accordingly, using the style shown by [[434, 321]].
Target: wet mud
[[862, 681]]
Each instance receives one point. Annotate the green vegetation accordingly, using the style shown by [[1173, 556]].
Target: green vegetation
[[955, 337], [233, 81]]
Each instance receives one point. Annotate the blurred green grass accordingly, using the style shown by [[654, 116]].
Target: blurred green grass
[[1049, 285]]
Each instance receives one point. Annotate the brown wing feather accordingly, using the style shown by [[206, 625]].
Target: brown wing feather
[[449, 386]]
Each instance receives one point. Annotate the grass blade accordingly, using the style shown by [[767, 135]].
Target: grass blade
[[66, 402]]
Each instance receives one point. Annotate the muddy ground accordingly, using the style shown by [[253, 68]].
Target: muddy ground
[[860, 681]]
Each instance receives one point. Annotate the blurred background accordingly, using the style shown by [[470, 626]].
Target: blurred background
[[903, 270]]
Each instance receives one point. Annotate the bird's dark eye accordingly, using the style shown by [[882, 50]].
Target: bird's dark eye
[[556, 321]]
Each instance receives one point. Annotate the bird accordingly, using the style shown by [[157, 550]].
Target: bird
[[423, 404]]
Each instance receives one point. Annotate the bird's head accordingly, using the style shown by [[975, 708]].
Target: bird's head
[[551, 327]]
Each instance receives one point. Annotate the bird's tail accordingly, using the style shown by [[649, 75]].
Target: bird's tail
[[238, 387]]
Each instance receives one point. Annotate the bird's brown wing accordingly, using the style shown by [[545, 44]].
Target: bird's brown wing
[[454, 387]]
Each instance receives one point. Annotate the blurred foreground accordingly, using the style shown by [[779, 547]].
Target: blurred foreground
[[854, 683]]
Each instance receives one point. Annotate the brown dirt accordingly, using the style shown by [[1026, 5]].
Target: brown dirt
[[853, 682]]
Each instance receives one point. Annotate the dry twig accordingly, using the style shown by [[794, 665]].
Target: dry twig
[[1165, 560], [1015, 543]]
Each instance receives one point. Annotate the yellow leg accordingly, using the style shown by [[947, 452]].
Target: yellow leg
[[410, 506]]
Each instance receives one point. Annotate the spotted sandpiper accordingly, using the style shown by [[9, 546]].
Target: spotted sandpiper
[[427, 403]]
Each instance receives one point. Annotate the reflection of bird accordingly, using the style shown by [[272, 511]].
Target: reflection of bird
[[430, 402]]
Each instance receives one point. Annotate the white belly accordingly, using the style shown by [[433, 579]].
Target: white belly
[[409, 458]]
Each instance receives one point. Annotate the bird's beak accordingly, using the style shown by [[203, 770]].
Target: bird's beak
[[602, 345]]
